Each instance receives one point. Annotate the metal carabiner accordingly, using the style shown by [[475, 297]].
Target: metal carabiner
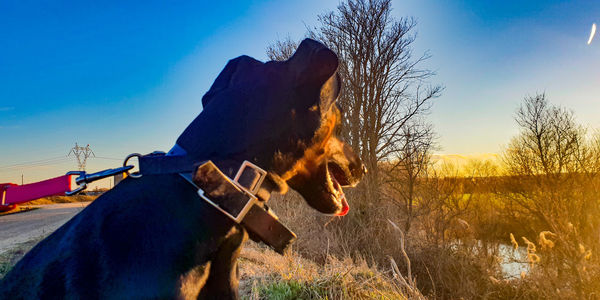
[[81, 187], [83, 179]]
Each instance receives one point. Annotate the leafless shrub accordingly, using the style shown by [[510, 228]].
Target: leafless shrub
[[553, 181]]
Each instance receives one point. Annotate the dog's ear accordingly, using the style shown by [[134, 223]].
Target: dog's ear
[[235, 68], [330, 92], [314, 64]]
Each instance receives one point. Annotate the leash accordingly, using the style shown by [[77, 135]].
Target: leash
[[12, 194]]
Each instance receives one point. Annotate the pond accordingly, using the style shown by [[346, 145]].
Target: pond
[[513, 261]]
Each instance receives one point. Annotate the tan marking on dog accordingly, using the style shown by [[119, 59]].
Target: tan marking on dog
[[317, 153], [335, 148], [193, 281], [233, 231]]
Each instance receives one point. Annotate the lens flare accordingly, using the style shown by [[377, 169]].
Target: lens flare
[[592, 33]]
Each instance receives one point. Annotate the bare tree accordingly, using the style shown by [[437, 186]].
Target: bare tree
[[281, 50], [446, 198], [553, 179], [551, 154], [384, 88], [549, 138], [409, 167]]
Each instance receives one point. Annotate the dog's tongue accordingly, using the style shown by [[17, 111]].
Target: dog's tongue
[[339, 195], [345, 207]]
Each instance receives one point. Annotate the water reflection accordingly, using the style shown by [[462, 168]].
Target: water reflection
[[514, 262]]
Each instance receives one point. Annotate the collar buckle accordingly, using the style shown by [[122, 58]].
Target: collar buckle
[[240, 213], [250, 177], [233, 198], [237, 200]]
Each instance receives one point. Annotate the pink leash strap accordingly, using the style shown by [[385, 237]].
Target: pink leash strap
[[14, 194]]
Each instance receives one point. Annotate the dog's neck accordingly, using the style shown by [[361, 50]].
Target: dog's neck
[[229, 168], [176, 151]]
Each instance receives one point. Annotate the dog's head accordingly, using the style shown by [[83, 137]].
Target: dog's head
[[282, 116]]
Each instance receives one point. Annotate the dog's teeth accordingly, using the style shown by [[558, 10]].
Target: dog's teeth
[[334, 187]]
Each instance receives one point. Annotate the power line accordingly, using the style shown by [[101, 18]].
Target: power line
[[46, 162], [109, 158], [50, 163], [19, 167], [32, 162]]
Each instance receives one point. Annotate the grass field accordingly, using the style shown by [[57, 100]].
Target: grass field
[[265, 274], [11, 257], [62, 199]]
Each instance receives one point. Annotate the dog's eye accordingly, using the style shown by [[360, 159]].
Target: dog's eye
[[340, 109], [338, 130], [313, 108]]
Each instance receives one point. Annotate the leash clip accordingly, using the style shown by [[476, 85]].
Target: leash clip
[[83, 179]]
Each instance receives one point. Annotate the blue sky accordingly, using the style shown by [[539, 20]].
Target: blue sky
[[128, 77]]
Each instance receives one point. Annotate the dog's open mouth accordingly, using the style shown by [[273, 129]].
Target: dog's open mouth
[[323, 190], [336, 178]]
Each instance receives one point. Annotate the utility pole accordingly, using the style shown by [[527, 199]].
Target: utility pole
[[82, 154], [21, 179]]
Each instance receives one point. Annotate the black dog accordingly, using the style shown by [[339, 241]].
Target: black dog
[[153, 237]]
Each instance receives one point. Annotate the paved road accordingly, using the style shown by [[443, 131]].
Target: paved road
[[22, 227]]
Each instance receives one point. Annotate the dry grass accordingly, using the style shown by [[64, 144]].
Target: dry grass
[[63, 199], [9, 258], [440, 271], [267, 275], [364, 236]]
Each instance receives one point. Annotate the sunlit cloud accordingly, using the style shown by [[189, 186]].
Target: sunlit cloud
[[592, 33]]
